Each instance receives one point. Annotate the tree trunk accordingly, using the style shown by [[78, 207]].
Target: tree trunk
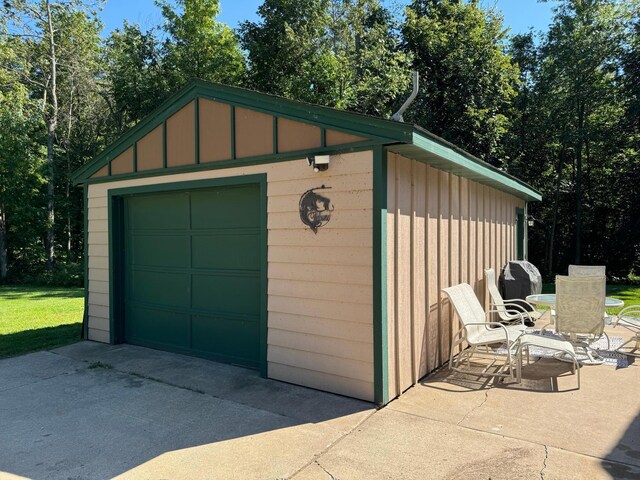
[[554, 221], [3, 245], [578, 252], [52, 123]]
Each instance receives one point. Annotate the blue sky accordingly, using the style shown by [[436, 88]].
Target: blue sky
[[519, 15]]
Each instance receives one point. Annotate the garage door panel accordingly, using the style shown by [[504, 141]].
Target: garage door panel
[[233, 251], [159, 250], [159, 211], [230, 207], [159, 287], [193, 269], [237, 340], [157, 327], [227, 293]]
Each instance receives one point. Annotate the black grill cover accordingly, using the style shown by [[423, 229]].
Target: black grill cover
[[520, 278]]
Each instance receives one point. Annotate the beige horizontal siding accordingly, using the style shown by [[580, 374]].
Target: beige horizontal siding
[[346, 311], [441, 230], [96, 298], [321, 255], [322, 381], [98, 335], [326, 327], [327, 291], [320, 285], [355, 200], [345, 275], [334, 347], [319, 362], [340, 219]]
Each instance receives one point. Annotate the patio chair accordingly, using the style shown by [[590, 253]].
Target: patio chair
[[629, 318], [580, 311], [505, 308], [587, 271], [478, 332]]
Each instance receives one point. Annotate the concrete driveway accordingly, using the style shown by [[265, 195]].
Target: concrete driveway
[[92, 411]]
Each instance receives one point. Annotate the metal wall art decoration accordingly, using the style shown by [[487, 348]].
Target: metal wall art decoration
[[315, 209]]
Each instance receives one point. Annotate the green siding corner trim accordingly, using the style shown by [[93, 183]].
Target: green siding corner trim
[[435, 151], [519, 233], [85, 315], [380, 341]]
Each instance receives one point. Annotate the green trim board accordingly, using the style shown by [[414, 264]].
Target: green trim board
[[260, 160], [342, 121], [85, 315], [520, 229], [117, 219], [439, 153], [403, 138], [380, 340]]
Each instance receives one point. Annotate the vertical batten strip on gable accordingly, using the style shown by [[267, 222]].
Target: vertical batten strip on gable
[[164, 144], [196, 130], [275, 135], [232, 116], [380, 346]]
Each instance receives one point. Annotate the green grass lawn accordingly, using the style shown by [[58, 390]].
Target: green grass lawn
[[629, 294], [38, 318]]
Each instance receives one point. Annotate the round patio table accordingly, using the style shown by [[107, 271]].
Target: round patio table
[[585, 354], [549, 300]]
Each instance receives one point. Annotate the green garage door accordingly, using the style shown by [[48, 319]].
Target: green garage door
[[192, 272]]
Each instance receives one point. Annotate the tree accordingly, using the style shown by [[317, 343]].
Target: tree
[[289, 51], [467, 80], [135, 79], [580, 57], [374, 71], [198, 46], [340, 53], [21, 158], [56, 35]]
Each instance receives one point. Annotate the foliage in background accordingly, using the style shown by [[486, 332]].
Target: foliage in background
[[198, 46], [572, 140], [340, 53], [559, 109], [467, 80]]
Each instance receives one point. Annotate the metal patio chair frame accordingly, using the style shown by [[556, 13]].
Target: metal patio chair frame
[[477, 332], [504, 308], [631, 323]]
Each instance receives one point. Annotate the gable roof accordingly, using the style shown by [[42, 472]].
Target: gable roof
[[360, 130]]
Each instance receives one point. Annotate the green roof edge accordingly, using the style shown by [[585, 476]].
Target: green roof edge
[[386, 132], [433, 144]]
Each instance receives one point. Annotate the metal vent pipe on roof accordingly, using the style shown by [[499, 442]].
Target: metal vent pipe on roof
[[414, 93]]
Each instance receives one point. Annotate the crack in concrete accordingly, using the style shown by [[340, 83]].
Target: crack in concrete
[[43, 379], [333, 444], [486, 397], [325, 470], [544, 462]]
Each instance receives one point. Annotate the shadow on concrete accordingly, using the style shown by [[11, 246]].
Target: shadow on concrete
[[97, 411], [623, 462], [39, 339], [540, 376]]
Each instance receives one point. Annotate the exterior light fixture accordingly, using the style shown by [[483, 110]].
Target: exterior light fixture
[[319, 163]]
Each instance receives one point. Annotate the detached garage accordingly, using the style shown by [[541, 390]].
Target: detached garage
[[307, 243]]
